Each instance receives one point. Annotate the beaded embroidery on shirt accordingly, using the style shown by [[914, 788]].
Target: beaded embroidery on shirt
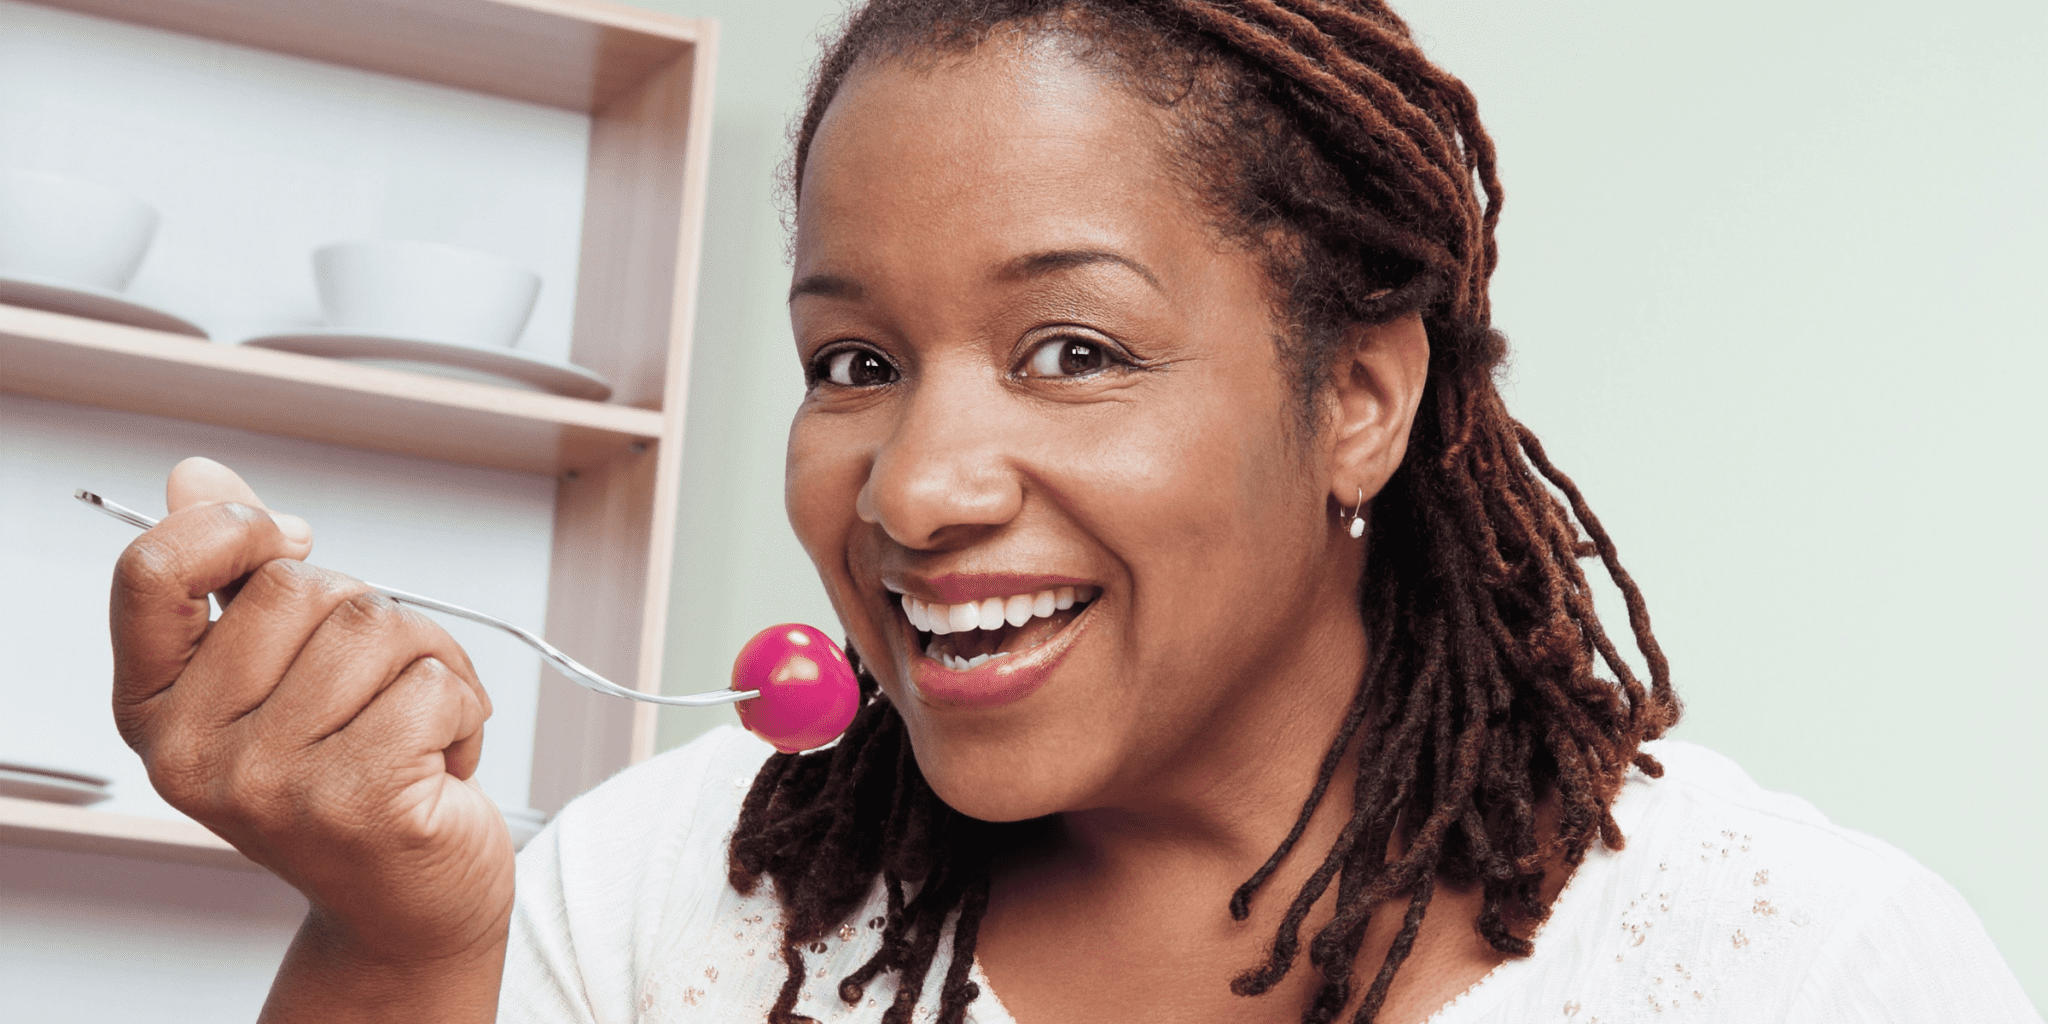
[[1711, 907]]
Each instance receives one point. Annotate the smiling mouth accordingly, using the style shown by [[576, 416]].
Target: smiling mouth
[[966, 636]]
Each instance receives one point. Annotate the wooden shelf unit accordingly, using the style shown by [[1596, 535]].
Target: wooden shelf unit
[[114, 367], [61, 827], [645, 81]]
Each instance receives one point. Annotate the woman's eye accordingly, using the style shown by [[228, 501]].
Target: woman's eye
[[1067, 357], [856, 368]]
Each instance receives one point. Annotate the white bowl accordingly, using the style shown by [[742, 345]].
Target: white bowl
[[425, 290], [67, 231]]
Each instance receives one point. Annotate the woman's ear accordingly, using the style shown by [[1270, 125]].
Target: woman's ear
[[1376, 386]]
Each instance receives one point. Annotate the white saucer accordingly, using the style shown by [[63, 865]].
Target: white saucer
[[500, 366], [51, 786], [52, 296]]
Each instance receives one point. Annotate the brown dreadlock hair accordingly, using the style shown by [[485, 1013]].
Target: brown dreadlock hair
[[1323, 138]]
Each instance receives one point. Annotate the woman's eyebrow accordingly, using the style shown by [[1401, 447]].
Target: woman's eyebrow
[[1039, 264], [830, 286], [1025, 267]]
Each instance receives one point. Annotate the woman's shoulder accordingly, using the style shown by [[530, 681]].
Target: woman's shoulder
[[677, 805], [620, 874], [1706, 807], [1759, 864], [624, 910], [1731, 901]]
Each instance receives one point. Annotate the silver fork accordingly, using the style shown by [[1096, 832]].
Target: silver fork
[[568, 666]]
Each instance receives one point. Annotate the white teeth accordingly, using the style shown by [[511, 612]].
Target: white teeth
[[930, 617], [989, 613], [963, 617], [957, 663]]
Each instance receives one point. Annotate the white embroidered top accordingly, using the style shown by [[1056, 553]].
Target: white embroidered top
[[1730, 904]]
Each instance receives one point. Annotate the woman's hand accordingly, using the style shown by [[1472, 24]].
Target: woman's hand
[[330, 735]]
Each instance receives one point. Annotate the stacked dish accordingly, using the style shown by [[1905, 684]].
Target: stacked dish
[[437, 310], [433, 309], [70, 246], [52, 785]]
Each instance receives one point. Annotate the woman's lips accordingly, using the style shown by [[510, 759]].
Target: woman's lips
[[998, 681]]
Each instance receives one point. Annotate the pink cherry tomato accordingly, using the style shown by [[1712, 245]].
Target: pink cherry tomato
[[808, 694]]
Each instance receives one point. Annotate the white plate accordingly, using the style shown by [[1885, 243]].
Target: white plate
[[500, 366], [49, 788], [92, 303]]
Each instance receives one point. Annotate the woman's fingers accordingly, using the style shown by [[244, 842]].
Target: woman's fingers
[[302, 655], [363, 647], [426, 716], [374, 820], [158, 606], [198, 480], [280, 608], [202, 481]]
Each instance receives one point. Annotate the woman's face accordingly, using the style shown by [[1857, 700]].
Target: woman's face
[[1036, 367]]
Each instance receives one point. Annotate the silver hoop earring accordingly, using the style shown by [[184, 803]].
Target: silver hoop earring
[[1358, 517]]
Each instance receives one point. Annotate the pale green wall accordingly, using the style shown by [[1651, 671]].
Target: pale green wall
[[1774, 275], [738, 567]]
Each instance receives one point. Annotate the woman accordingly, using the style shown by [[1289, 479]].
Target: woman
[[1214, 613]]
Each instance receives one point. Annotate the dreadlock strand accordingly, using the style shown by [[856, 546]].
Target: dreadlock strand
[[1632, 596], [1415, 122], [1365, 830], [855, 985], [1240, 901], [1397, 954], [784, 1010], [957, 990], [1263, 42]]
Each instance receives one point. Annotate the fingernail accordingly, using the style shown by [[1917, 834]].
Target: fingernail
[[293, 528]]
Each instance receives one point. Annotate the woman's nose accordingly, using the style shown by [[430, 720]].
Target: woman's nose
[[947, 475]]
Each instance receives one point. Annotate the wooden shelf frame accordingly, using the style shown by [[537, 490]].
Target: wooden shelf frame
[[82, 829], [645, 80], [571, 54], [50, 355]]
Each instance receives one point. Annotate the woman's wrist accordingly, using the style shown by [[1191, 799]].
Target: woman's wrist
[[329, 975]]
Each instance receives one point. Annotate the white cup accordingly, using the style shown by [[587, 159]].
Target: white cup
[[71, 232], [425, 291]]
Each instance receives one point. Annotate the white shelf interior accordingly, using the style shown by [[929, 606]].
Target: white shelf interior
[[92, 937], [473, 536], [255, 159]]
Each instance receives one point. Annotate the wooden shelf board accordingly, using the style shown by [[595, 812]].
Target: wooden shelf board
[[574, 54], [59, 827], [107, 365]]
